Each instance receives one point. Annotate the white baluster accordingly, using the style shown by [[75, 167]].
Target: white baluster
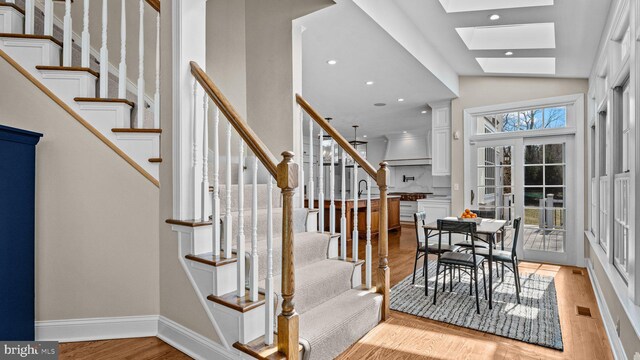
[[205, 200], [343, 216], [215, 194], [227, 216], [240, 247], [104, 54], [29, 16], [320, 184], [48, 17], [301, 167], [122, 69], [253, 281], [86, 39], [140, 105], [156, 96], [311, 189], [332, 197], [354, 191], [269, 312], [368, 246], [67, 44]]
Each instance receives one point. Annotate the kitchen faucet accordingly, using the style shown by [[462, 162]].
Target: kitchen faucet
[[366, 187]]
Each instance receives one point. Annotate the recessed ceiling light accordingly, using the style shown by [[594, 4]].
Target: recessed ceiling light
[[424, 111], [369, 82], [509, 53], [400, 100], [494, 17], [404, 132], [364, 136], [332, 62], [515, 36], [379, 104]]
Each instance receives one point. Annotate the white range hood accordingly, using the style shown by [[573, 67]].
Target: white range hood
[[408, 150]]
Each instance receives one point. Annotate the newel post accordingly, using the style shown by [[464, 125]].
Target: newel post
[[383, 277], [288, 334]]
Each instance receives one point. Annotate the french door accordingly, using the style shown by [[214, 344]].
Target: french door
[[530, 178]]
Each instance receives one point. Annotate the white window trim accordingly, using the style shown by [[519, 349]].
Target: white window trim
[[576, 102]]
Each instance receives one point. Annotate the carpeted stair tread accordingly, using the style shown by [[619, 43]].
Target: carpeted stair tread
[[317, 283], [331, 327]]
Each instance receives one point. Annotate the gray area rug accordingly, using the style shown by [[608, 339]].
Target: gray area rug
[[535, 321]]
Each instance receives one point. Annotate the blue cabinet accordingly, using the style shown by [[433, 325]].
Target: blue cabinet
[[17, 234]]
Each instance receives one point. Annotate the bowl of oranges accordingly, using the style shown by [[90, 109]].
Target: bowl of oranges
[[468, 215]]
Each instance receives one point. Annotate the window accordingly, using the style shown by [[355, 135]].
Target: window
[[525, 120], [621, 181], [594, 182], [603, 183]]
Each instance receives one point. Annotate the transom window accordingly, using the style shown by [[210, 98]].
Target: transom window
[[524, 120]]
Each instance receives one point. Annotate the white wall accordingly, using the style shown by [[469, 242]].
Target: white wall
[[96, 216]]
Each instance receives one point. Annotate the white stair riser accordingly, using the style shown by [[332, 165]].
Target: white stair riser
[[243, 327], [30, 53], [68, 85], [106, 116], [219, 280], [141, 147], [356, 278], [11, 20]]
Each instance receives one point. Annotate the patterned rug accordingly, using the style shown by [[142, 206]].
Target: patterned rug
[[535, 321]]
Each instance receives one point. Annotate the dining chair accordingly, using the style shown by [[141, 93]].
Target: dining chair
[[509, 257], [469, 261], [424, 248]]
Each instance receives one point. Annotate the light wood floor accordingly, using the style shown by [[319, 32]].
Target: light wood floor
[[406, 336]]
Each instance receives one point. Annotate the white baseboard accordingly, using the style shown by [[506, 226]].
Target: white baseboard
[[97, 328], [607, 319], [192, 343]]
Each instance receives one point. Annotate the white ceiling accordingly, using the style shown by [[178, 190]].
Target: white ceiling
[[364, 52], [411, 40], [578, 27]]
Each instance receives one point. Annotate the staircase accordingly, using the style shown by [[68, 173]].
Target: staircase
[[41, 46], [253, 253]]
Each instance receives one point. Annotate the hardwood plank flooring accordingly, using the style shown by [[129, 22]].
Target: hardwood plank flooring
[[406, 336], [150, 348]]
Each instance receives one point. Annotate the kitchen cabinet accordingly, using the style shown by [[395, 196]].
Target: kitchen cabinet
[[435, 208], [441, 139], [407, 209], [393, 217]]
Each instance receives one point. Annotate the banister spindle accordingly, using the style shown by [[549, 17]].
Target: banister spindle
[[368, 246], [86, 39], [269, 311], [48, 17], [67, 44], [383, 276], [354, 191], [215, 194], [240, 246], [104, 54], [141, 86], [320, 183], [311, 189], [332, 197], [122, 69], [156, 95], [301, 168], [253, 280], [205, 204], [343, 216], [29, 16], [228, 225]]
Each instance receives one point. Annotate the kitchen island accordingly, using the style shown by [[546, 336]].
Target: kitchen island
[[393, 206]]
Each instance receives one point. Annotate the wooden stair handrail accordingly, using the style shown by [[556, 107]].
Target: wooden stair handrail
[[250, 138], [331, 131], [155, 4]]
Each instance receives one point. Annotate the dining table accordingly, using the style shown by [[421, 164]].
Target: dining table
[[492, 229]]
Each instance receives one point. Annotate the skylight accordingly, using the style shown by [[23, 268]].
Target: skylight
[[525, 66], [452, 6], [509, 37]]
